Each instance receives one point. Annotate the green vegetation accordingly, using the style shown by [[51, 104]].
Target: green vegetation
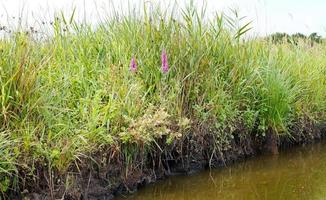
[[294, 39], [72, 95]]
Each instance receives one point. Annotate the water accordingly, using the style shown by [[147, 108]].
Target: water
[[298, 173]]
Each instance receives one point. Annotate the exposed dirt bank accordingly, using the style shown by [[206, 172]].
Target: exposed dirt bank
[[109, 175]]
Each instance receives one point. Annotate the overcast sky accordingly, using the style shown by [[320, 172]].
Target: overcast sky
[[267, 16]]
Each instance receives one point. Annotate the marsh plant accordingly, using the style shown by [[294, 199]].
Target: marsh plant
[[134, 81]]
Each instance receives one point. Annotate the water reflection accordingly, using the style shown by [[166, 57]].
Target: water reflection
[[299, 173]]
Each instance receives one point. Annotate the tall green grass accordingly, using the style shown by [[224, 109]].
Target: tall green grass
[[63, 98]]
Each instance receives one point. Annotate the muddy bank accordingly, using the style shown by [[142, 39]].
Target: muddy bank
[[113, 171]]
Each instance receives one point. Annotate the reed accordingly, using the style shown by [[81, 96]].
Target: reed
[[65, 97]]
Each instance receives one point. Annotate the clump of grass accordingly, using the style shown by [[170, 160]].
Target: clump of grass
[[8, 168], [136, 80]]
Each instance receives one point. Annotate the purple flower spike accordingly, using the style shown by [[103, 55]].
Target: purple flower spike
[[133, 64], [165, 65]]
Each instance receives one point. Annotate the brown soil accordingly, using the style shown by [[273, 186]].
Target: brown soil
[[108, 175]]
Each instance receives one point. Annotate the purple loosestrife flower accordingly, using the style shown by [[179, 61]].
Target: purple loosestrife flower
[[165, 65], [133, 64]]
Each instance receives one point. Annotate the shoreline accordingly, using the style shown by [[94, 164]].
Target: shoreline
[[108, 182]]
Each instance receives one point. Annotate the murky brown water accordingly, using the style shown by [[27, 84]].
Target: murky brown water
[[298, 173]]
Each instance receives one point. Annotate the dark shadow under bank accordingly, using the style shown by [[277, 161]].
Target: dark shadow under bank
[[108, 175]]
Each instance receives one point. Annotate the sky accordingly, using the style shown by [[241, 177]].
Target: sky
[[267, 16]]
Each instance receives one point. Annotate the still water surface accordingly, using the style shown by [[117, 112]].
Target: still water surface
[[298, 173]]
